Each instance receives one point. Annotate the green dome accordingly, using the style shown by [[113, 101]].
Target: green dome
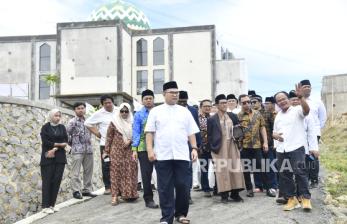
[[134, 18]]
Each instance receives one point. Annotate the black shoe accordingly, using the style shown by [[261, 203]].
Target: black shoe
[[151, 204], [153, 187], [224, 200], [139, 187], [190, 201], [250, 194], [236, 198], [89, 194], [271, 193], [314, 185], [281, 201], [207, 194], [77, 195]]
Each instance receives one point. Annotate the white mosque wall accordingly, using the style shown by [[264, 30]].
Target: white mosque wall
[[150, 65], [15, 62], [231, 77], [126, 62], [88, 60], [192, 64]]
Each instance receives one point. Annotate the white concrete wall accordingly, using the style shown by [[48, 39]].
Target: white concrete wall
[[127, 62], [150, 67], [18, 60], [334, 94], [231, 77], [53, 70], [94, 69], [192, 64]]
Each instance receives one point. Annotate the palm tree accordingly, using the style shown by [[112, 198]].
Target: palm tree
[[51, 80]]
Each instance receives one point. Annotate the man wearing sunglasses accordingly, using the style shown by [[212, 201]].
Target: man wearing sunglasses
[[254, 129], [169, 127]]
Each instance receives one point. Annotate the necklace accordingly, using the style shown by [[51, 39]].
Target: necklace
[[55, 130]]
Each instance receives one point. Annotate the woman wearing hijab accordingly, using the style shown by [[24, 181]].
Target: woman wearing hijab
[[53, 159], [123, 170]]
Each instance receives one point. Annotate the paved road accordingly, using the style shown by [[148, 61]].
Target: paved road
[[260, 209]]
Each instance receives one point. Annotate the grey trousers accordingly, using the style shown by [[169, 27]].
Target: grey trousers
[[87, 162]]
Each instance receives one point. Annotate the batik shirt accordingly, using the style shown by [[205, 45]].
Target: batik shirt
[[252, 126], [79, 136]]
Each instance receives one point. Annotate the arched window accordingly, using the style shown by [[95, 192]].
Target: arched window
[[141, 52], [45, 58], [158, 51]]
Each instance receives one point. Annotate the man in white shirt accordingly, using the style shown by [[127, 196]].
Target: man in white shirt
[[290, 136], [169, 127], [319, 116], [98, 124]]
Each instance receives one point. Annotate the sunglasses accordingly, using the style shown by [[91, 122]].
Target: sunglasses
[[124, 111], [246, 102]]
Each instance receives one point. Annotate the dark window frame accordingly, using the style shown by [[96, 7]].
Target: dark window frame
[[45, 58], [158, 51], [141, 52], [141, 84]]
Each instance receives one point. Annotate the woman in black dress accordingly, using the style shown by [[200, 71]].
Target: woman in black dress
[[53, 159]]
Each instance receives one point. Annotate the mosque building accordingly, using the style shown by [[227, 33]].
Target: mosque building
[[116, 52]]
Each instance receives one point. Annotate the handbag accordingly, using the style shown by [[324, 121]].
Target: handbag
[[237, 132]]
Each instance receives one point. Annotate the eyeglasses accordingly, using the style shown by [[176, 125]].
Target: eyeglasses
[[246, 102], [124, 111], [254, 102]]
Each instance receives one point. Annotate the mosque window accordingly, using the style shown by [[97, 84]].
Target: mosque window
[[158, 51], [141, 51], [45, 58], [158, 80], [142, 81], [44, 88]]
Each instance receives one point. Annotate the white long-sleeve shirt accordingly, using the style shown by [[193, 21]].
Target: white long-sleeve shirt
[[311, 141], [318, 113], [291, 125], [102, 119]]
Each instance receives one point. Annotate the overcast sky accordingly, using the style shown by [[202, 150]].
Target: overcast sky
[[282, 41]]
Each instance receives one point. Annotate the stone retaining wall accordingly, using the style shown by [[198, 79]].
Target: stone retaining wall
[[20, 151]]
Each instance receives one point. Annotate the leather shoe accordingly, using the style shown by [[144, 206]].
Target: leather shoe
[[77, 195], [89, 194], [151, 204], [250, 194]]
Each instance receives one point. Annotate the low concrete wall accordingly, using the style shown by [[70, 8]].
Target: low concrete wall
[[20, 151]]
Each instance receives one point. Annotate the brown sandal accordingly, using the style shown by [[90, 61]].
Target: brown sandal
[[114, 201]]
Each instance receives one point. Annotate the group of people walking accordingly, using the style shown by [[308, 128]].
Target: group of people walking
[[234, 135]]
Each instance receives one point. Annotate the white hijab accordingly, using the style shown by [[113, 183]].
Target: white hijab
[[124, 126], [50, 116]]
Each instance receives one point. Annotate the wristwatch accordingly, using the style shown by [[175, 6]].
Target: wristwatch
[[194, 147]]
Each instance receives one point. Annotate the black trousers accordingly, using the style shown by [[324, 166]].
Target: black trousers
[[204, 159], [51, 178], [292, 164], [173, 180], [249, 156], [312, 168], [146, 175], [105, 166]]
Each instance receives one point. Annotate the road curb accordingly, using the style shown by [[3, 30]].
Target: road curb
[[64, 204]]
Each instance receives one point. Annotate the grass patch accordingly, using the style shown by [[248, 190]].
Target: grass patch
[[333, 152]]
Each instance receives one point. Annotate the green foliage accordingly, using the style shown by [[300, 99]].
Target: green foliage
[[334, 156], [51, 79]]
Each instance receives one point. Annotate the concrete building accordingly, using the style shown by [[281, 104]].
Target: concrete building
[[334, 93], [118, 53]]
